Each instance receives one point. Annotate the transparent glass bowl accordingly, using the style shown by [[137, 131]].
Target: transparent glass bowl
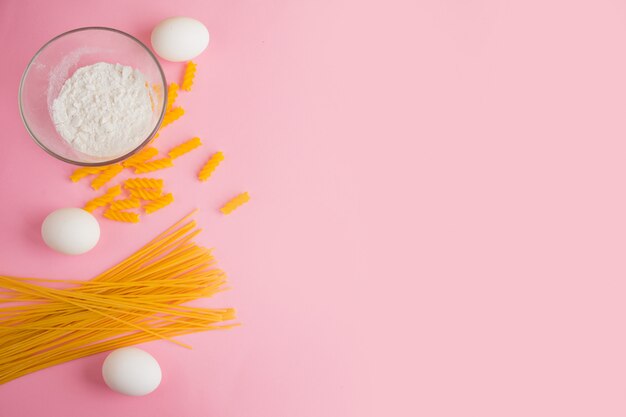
[[57, 60]]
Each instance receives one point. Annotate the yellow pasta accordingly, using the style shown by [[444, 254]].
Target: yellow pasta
[[121, 216], [83, 172], [190, 73], [210, 166], [184, 147], [49, 322], [142, 156], [172, 93], [235, 202], [104, 199], [159, 203], [153, 165], [144, 194], [172, 116], [143, 183], [106, 175], [124, 204]]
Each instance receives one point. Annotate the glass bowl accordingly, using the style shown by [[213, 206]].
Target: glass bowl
[[57, 60]]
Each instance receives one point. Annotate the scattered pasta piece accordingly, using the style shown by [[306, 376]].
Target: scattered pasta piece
[[172, 94], [106, 175], [159, 203], [147, 195], [144, 183], [142, 156], [122, 216], [104, 199], [127, 203], [184, 147], [235, 202], [153, 165], [172, 116], [210, 166], [83, 172], [190, 73]]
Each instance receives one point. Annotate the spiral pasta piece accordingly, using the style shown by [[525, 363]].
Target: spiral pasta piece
[[172, 94], [104, 199], [159, 203], [122, 216], [127, 203], [184, 147], [235, 202], [106, 175], [83, 172], [141, 157], [143, 183], [190, 73], [210, 166], [148, 195], [153, 165], [172, 116]]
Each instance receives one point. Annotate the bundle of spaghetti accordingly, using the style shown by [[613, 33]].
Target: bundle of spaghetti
[[235, 202], [104, 199], [106, 175], [143, 183], [144, 194], [184, 147], [159, 203], [172, 93], [83, 172], [140, 157], [190, 73], [121, 216], [209, 167], [140, 299], [155, 165], [172, 116], [127, 203]]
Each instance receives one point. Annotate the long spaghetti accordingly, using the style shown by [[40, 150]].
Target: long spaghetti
[[140, 299]]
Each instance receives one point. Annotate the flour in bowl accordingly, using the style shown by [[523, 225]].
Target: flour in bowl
[[104, 109]]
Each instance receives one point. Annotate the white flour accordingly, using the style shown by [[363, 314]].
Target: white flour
[[104, 109]]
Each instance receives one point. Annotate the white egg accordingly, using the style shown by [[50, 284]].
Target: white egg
[[131, 371], [179, 38], [71, 231]]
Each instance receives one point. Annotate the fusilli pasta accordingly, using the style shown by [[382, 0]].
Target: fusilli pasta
[[190, 73], [235, 202], [184, 147], [210, 166], [159, 203]]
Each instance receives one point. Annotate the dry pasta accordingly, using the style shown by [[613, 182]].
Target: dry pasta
[[184, 147], [121, 216], [190, 73], [159, 203], [104, 199], [143, 183], [235, 202], [172, 116], [210, 166], [127, 203], [141, 157], [106, 176], [147, 195], [83, 172], [143, 298], [153, 165], [172, 93]]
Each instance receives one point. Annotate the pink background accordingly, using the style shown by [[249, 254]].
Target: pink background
[[438, 214]]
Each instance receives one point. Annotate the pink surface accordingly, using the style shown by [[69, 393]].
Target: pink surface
[[437, 223]]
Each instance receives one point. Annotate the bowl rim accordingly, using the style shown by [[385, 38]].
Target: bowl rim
[[142, 145]]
